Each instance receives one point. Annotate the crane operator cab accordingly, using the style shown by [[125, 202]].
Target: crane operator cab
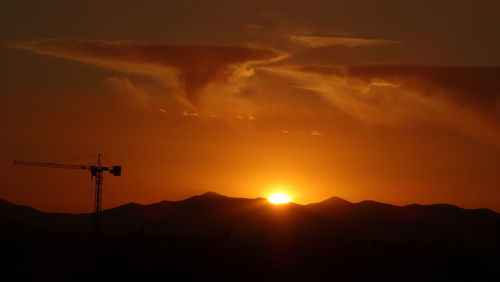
[[115, 170]]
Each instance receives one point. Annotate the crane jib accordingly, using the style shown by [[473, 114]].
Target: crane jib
[[114, 170], [97, 175]]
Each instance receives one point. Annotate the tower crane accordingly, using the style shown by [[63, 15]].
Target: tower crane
[[97, 174]]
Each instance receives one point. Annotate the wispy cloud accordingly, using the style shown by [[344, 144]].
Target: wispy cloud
[[187, 68], [137, 96], [325, 41], [402, 95], [187, 113], [222, 82]]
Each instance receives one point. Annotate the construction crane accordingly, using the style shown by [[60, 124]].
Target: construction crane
[[96, 172]]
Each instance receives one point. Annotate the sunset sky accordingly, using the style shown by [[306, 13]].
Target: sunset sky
[[393, 101]]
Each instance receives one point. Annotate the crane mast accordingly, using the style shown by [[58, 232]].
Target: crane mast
[[97, 173]]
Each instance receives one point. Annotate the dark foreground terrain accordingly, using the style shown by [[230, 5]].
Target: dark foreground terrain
[[216, 238]]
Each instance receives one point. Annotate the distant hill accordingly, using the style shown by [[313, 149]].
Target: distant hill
[[215, 215], [211, 237]]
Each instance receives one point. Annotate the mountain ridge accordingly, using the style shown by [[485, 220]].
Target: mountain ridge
[[210, 195], [211, 214], [212, 230]]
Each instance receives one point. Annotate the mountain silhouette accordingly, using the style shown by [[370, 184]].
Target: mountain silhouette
[[212, 214], [212, 237]]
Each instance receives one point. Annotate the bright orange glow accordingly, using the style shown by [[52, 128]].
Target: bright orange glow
[[279, 198]]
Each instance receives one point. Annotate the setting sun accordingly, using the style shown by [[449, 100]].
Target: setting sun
[[279, 198]]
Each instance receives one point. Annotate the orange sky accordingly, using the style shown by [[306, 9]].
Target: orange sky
[[378, 100]]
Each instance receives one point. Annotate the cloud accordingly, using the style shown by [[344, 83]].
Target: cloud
[[325, 41], [187, 70], [317, 133], [239, 84], [190, 114], [467, 99], [137, 96]]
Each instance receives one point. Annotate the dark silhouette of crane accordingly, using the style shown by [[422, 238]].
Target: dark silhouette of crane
[[96, 172]]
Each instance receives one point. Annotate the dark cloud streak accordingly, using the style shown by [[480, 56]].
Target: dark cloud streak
[[464, 98], [191, 67]]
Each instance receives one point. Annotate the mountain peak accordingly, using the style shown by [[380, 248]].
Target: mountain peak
[[211, 194], [336, 201]]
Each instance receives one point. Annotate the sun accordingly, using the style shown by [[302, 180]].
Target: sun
[[279, 198]]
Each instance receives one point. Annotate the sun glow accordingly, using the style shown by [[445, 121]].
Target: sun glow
[[279, 198]]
